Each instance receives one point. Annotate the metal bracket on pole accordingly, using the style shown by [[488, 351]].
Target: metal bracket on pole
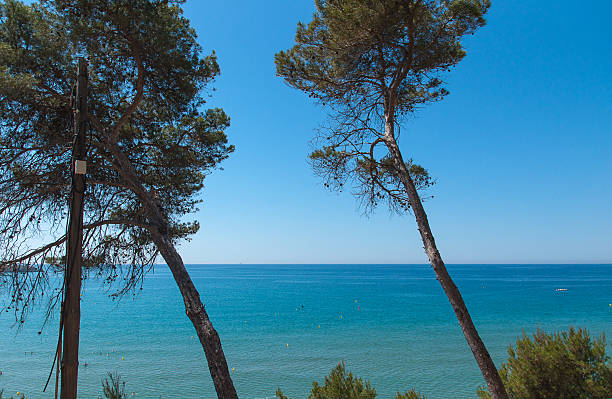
[[80, 167]]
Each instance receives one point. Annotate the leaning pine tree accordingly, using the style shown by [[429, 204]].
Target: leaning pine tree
[[150, 146], [373, 63]]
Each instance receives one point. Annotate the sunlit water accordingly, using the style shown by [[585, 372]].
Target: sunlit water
[[287, 325]]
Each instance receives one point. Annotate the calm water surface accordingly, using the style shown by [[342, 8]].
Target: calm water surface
[[287, 325]]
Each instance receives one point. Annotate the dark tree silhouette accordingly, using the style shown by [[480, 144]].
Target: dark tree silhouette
[[150, 146]]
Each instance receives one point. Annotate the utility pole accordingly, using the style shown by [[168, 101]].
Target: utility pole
[[74, 251]]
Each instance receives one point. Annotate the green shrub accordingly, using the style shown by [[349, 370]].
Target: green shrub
[[113, 388], [565, 365], [339, 385], [412, 394]]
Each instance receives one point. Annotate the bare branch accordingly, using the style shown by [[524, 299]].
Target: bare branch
[[4, 265]]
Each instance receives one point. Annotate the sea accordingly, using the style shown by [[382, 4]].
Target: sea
[[285, 326]]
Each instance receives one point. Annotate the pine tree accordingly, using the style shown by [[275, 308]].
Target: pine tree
[[372, 63], [150, 145]]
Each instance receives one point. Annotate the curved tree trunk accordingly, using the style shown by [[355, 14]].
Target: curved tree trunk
[[196, 312], [487, 367], [158, 226]]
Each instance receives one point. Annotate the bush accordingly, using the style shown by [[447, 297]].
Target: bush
[[112, 387], [565, 365], [412, 394], [339, 385]]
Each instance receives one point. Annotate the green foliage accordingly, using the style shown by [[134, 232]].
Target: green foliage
[[340, 385], [356, 46], [565, 365], [372, 63], [147, 85], [412, 394], [113, 387]]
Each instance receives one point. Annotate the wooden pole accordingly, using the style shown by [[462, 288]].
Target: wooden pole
[[72, 305]]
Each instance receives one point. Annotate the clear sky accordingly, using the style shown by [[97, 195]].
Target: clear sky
[[521, 149]]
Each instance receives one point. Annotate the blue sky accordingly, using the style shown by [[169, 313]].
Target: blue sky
[[521, 149]]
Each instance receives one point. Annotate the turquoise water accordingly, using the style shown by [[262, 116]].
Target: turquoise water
[[287, 325]]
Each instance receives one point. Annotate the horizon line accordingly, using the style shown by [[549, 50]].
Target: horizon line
[[395, 263]]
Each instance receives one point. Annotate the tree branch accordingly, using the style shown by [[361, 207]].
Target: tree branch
[[5, 264], [125, 222], [139, 88], [405, 65]]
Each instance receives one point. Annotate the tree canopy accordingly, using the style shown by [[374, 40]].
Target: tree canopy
[[148, 82], [372, 63]]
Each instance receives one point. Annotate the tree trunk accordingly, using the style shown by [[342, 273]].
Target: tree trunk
[[199, 318], [194, 307], [487, 367]]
